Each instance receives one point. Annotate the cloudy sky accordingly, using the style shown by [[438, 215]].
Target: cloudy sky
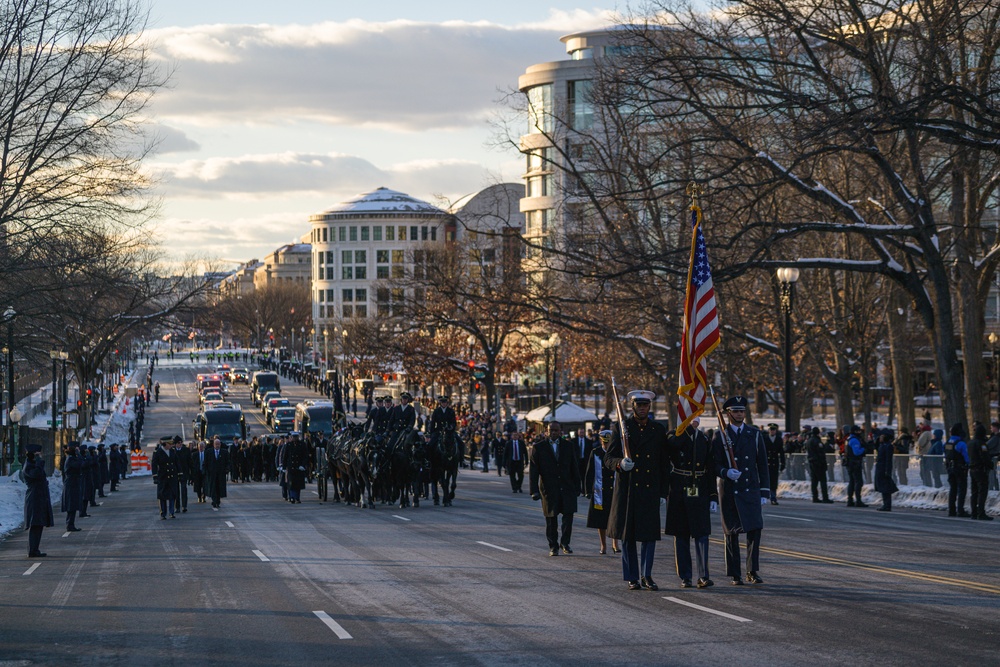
[[278, 110]]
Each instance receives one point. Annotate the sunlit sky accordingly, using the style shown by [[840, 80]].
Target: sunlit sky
[[278, 110]]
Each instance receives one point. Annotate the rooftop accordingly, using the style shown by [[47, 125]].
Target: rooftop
[[382, 201]]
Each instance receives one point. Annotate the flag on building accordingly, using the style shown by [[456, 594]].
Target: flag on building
[[701, 329]]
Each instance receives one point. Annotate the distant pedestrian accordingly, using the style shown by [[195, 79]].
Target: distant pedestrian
[[956, 456], [164, 468], [980, 464], [37, 502], [884, 483]]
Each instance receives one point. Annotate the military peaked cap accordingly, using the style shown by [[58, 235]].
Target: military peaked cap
[[736, 403], [641, 396]]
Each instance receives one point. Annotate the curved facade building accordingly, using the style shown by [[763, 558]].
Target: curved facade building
[[362, 241]]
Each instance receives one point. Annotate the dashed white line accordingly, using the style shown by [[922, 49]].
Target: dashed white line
[[230, 524], [333, 625], [261, 556], [492, 546], [316, 493], [31, 569], [790, 518], [401, 518], [710, 611], [66, 534]]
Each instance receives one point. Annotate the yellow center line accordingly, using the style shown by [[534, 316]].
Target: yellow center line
[[908, 574]]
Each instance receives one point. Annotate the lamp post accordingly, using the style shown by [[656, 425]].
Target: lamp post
[[555, 341], [787, 277], [302, 344], [54, 355], [326, 353], [470, 340], [15, 418], [995, 349]]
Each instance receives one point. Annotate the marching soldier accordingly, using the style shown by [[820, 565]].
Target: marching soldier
[[775, 457], [745, 488], [642, 480], [692, 496]]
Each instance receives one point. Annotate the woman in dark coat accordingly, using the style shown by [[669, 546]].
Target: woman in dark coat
[[72, 494], [883, 472], [600, 491], [37, 503]]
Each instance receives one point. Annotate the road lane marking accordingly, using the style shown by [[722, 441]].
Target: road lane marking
[[333, 625], [230, 524], [710, 611], [215, 509], [401, 518], [261, 556], [66, 534], [315, 493], [493, 546], [31, 569], [790, 518]]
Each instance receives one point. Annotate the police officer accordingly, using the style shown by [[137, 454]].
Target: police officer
[[980, 464], [641, 482], [692, 496], [741, 462], [775, 458]]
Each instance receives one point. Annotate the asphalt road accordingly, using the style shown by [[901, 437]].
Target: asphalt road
[[262, 582]]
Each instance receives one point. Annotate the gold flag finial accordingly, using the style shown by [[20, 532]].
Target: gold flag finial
[[693, 190]]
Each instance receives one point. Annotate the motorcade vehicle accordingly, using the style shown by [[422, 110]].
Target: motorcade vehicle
[[211, 395], [283, 420], [275, 403], [240, 376], [226, 423], [263, 382], [267, 397]]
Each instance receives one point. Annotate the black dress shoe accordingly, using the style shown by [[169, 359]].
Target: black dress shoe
[[566, 550], [883, 509], [163, 517], [705, 583], [553, 552], [860, 504], [737, 581], [634, 586], [74, 529], [985, 517], [963, 514], [649, 584], [38, 554], [774, 502], [686, 583], [752, 578], [827, 501], [815, 500]]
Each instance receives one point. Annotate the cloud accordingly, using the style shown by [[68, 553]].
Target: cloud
[[170, 140], [336, 175], [243, 237], [401, 75]]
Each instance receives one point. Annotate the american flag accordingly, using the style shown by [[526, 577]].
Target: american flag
[[701, 329]]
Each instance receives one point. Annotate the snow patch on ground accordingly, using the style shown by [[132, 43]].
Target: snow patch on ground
[[915, 497]]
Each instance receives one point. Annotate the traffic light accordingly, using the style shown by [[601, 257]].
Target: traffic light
[[477, 386], [79, 405], [89, 392], [472, 365]]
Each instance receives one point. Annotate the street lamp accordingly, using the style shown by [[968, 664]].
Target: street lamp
[[54, 355], [470, 340], [787, 277], [15, 418], [302, 344], [995, 345], [326, 353], [554, 342]]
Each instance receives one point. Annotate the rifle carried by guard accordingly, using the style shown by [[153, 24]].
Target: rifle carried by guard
[[723, 433], [621, 420]]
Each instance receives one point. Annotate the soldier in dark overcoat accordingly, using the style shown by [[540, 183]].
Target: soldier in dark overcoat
[[640, 483], [114, 467], [693, 494], [745, 488], [37, 502], [216, 466], [72, 493], [103, 470], [555, 480], [87, 479], [295, 461], [183, 472], [816, 455], [165, 470], [775, 457]]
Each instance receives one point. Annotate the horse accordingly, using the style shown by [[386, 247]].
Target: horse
[[445, 456]]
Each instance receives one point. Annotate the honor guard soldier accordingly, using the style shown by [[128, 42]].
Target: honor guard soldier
[[402, 416], [373, 423], [692, 496], [442, 419], [642, 480], [775, 457], [741, 462]]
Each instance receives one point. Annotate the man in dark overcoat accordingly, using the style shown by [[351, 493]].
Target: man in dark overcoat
[[216, 467], [693, 494], [198, 457], [555, 480], [295, 459], [515, 453], [641, 482], [816, 455], [745, 488], [164, 467], [37, 502], [183, 472], [114, 467], [87, 479], [72, 493], [103, 470]]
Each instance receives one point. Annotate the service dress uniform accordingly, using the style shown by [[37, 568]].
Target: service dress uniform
[[635, 504], [741, 499], [692, 490]]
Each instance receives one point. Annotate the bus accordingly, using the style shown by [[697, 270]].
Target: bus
[[263, 382], [314, 416], [223, 422]]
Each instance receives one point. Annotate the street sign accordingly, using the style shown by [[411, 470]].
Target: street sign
[[479, 375]]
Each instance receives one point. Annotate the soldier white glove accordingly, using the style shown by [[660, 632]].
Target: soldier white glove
[[713, 507], [302, 469], [733, 474], [763, 501], [626, 464]]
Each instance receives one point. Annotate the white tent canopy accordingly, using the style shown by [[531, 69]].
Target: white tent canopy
[[566, 413]]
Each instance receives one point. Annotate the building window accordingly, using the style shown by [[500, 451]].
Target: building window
[[361, 295], [364, 233], [343, 234], [329, 273], [353, 233], [324, 235], [382, 302], [398, 257], [347, 273], [413, 233], [581, 107], [423, 233], [402, 233], [361, 311], [377, 233], [540, 109], [434, 234], [329, 295], [348, 295], [329, 257], [348, 311], [322, 311], [390, 233]]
